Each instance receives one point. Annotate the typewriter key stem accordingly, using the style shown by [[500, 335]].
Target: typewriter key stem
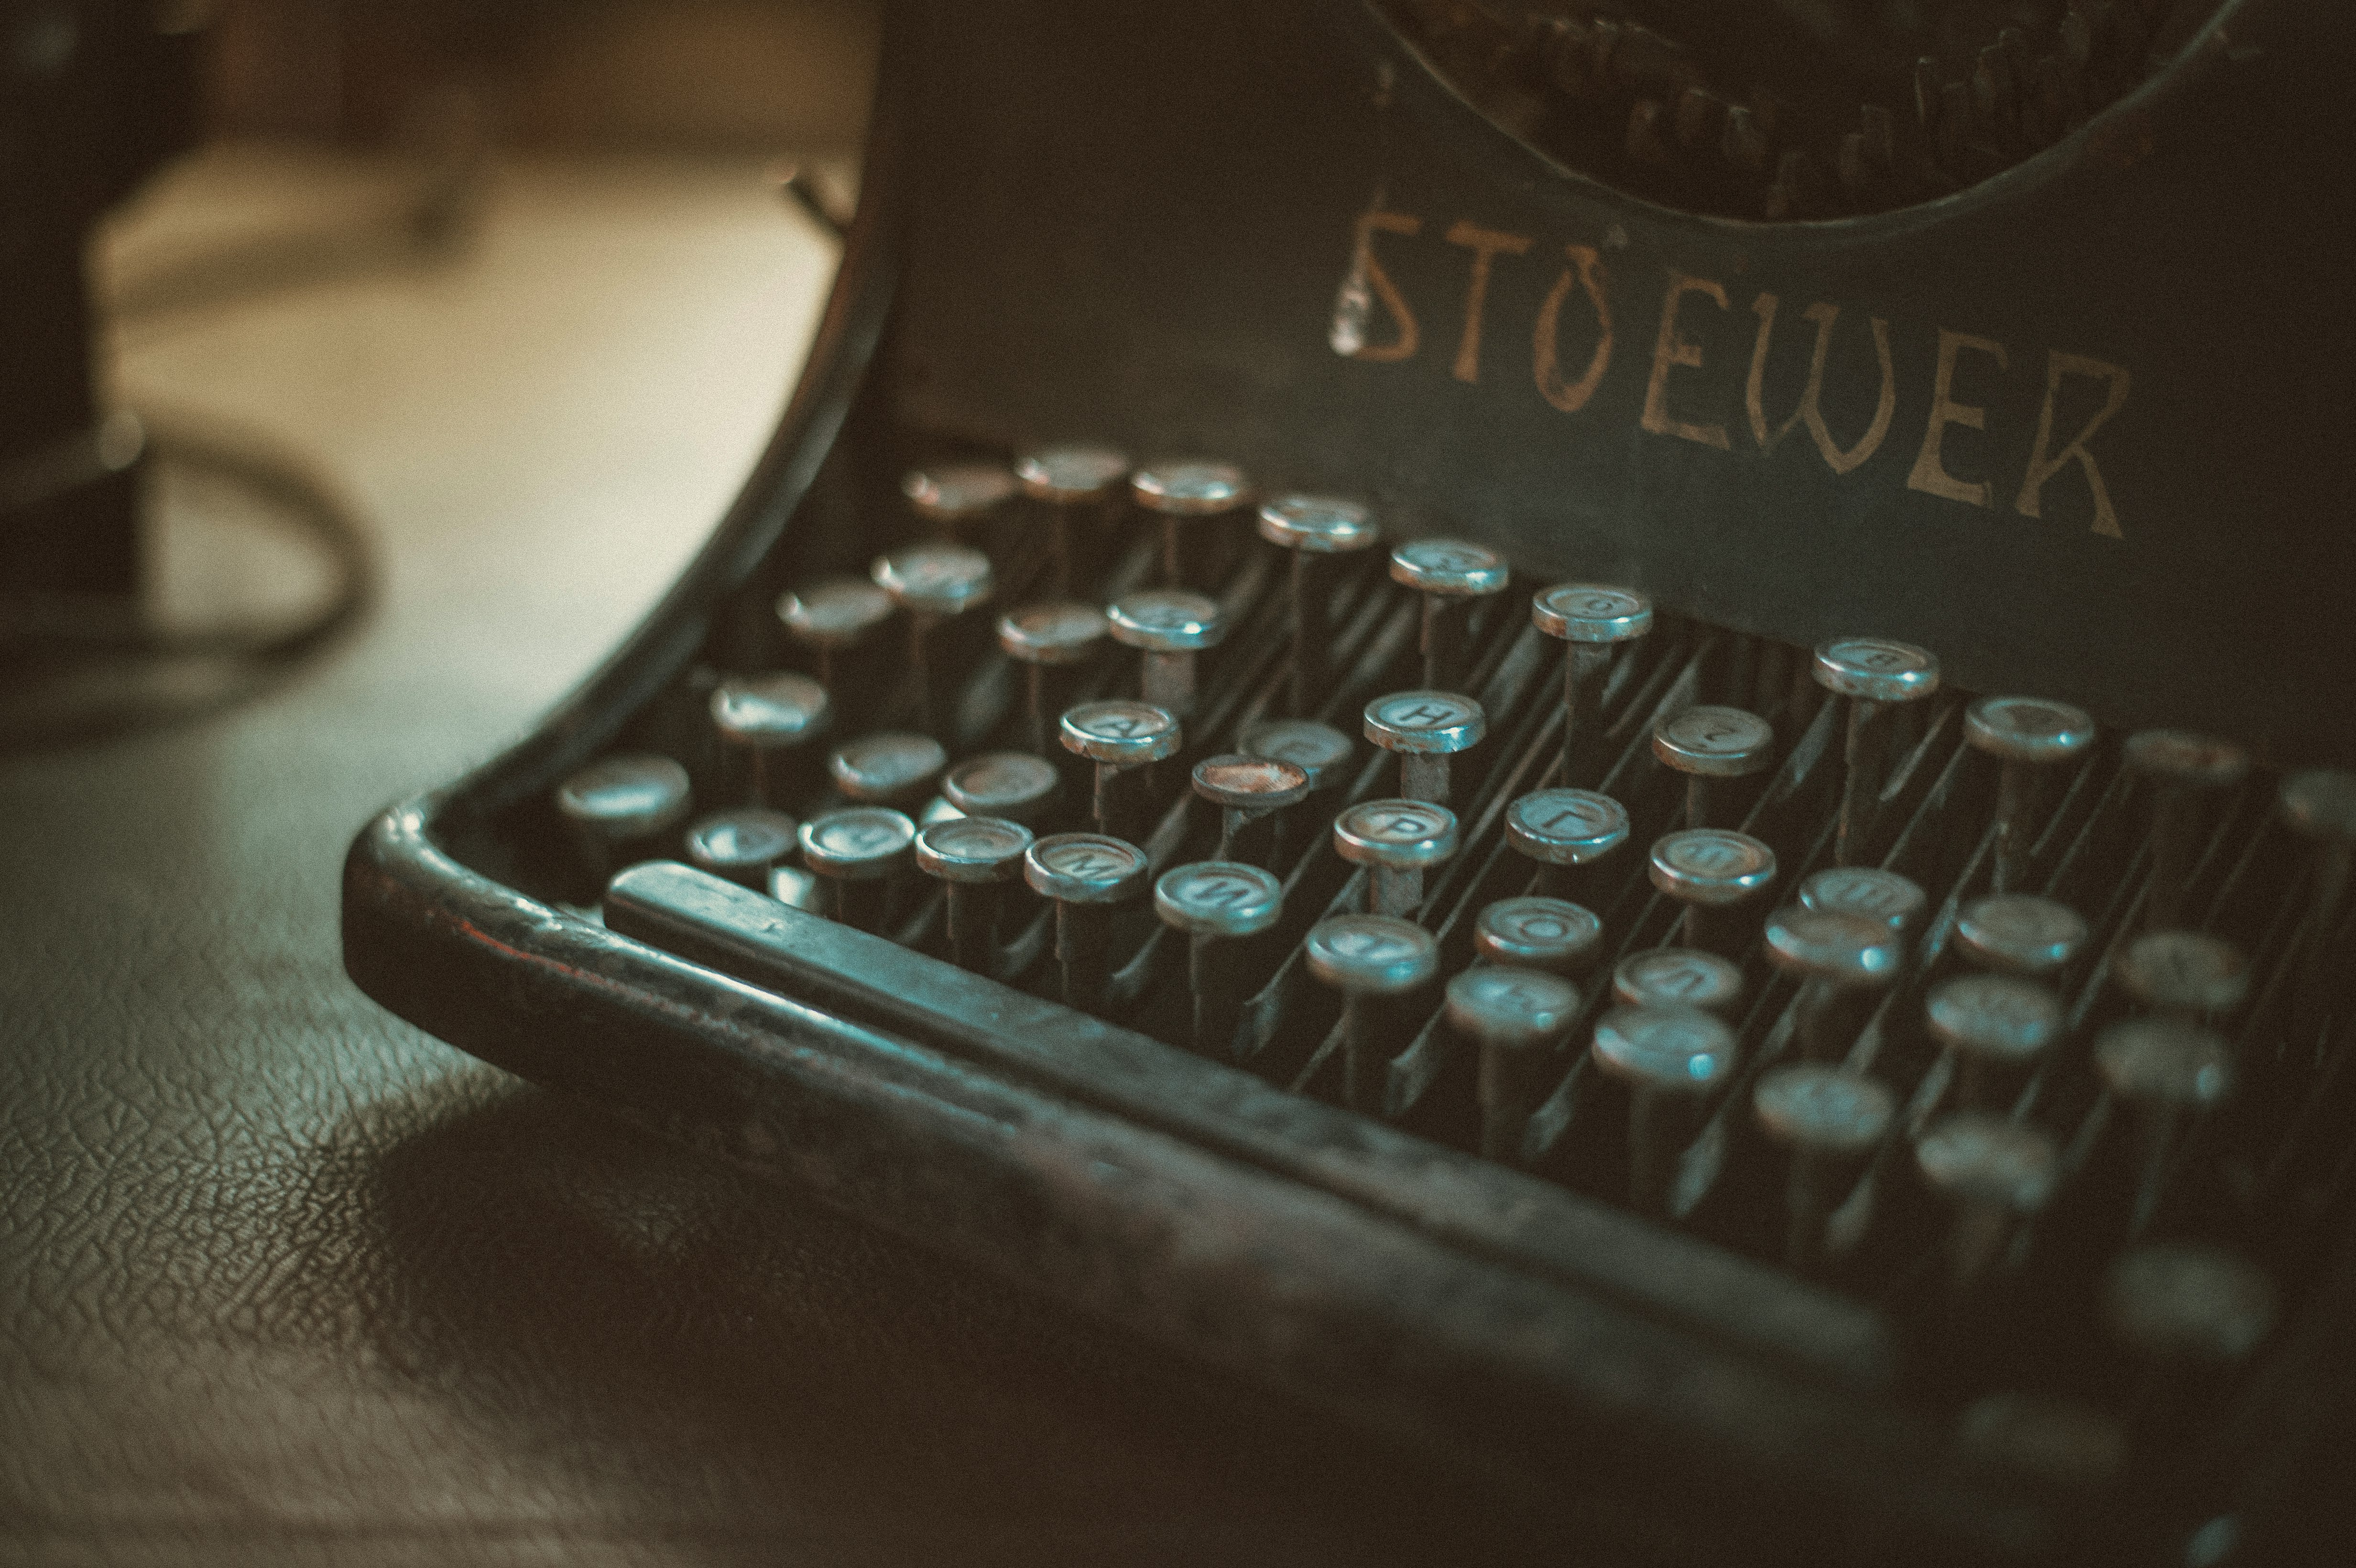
[[1068, 482], [1249, 791], [1318, 531], [1394, 841], [1218, 904], [1084, 874], [973, 857], [2027, 737], [1424, 729], [623, 809], [1369, 958], [2168, 1072], [934, 583], [2319, 806], [855, 852], [1712, 871], [1993, 1174], [1169, 627], [2185, 774], [1708, 744], [765, 720], [1515, 1017], [1051, 642], [1836, 957], [1591, 619], [1830, 1121], [1124, 739], [1669, 1060], [1874, 674], [1450, 574], [1187, 496], [1997, 1027]]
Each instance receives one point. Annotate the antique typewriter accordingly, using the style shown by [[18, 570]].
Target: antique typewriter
[[1614, 734]]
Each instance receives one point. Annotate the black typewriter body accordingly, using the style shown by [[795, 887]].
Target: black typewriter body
[[2068, 427]]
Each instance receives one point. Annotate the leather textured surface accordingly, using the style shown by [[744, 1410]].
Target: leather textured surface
[[282, 1279]]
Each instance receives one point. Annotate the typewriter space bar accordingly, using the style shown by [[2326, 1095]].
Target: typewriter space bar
[[1511, 1219]]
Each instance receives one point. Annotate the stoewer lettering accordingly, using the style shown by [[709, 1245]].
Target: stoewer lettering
[[1933, 470]]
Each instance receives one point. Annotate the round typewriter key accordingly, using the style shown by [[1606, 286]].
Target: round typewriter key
[[2065, 1442], [2186, 973], [1830, 1120], [1670, 1059], [1710, 743], [2029, 736], [1050, 641], [973, 857], [1873, 673], [1319, 531], [1710, 870], [1217, 903], [1998, 1026], [1868, 891], [1993, 1174], [1677, 978], [935, 583], [1368, 958], [1553, 935], [854, 851], [1249, 792], [2168, 1072], [744, 846], [1561, 828], [1515, 1017], [2019, 934], [1591, 619], [831, 616], [1169, 627], [2183, 775], [1124, 738], [623, 810], [1423, 729], [1835, 957], [1084, 873], [957, 496], [1069, 481], [1182, 494], [2319, 806], [890, 767], [763, 719], [1394, 841], [1016, 786], [1450, 574], [1317, 749], [2179, 1304]]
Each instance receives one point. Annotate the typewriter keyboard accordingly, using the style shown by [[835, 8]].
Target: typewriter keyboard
[[2016, 1033]]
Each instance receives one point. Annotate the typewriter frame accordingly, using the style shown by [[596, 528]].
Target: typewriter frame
[[1390, 1315]]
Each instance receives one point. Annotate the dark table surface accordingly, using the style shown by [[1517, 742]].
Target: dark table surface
[[284, 1279]]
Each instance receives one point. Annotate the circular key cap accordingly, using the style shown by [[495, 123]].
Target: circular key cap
[[1167, 621], [1193, 489], [744, 846], [1318, 524], [2020, 933], [1015, 786], [1513, 1008], [834, 614], [1868, 891], [1539, 933], [1425, 723], [1072, 474], [1062, 633], [1715, 743], [1876, 669], [2165, 1062], [1238, 782], [1824, 1109], [973, 850], [1677, 978], [1843, 950], [1592, 613], [938, 579], [2181, 757], [1711, 866], [764, 712], [1121, 731], [1681, 1050], [2184, 1302], [1319, 750], [860, 843], [2028, 728], [888, 766], [1396, 834], [1218, 898], [1975, 1158], [2320, 803], [1085, 868], [1565, 826], [1370, 955], [953, 493], [1448, 569], [624, 797], [1996, 1019], [2184, 972]]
